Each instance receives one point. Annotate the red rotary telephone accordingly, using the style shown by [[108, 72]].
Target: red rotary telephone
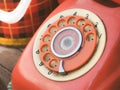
[[76, 48]]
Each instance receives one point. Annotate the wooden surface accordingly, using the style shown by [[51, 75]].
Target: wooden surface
[[8, 59]]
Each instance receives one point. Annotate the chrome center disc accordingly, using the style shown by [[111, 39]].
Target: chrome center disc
[[66, 42]]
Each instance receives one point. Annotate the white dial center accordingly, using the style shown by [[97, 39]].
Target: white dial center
[[66, 42]]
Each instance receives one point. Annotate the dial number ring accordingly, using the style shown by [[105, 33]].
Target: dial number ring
[[92, 61], [68, 28]]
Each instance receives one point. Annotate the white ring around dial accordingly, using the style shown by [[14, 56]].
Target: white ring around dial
[[84, 69], [77, 47]]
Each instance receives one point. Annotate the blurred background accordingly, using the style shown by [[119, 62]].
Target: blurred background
[[14, 37]]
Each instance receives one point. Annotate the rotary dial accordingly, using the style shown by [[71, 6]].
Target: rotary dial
[[69, 44]]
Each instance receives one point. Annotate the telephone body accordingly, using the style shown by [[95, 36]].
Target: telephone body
[[87, 32]]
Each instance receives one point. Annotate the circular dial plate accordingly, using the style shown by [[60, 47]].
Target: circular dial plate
[[73, 43], [87, 66]]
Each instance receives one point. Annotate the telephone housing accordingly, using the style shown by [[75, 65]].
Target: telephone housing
[[104, 75]]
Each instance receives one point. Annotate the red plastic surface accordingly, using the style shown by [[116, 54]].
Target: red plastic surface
[[105, 75]]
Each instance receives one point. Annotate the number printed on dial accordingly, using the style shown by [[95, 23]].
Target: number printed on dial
[[66, 42]]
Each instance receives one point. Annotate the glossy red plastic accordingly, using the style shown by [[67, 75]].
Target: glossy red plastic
[[105, 75]]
